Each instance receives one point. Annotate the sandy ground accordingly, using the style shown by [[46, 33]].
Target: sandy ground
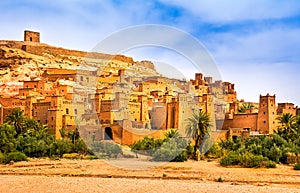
[[103, 176]]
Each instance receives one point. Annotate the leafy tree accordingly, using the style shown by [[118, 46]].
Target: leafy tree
[[171, 151], [17, 119], [8, 142], [197, 127], [73, 135]]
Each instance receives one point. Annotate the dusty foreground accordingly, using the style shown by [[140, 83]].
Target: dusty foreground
[[102, 176]]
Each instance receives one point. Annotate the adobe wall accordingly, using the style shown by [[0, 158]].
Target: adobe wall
[[267, 114], [129, 137], [286, 108], [242, 121], [31, 36], [217, 136]]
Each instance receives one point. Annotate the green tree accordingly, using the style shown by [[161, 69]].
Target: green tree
[[244, 107], [7, 138], [62, 132], [36, 141], [197, 127], [17, 119], [173, 133], [73, 135], [288, 128], [297, 123]]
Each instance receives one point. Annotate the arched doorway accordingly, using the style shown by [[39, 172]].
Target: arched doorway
[[108, 135]]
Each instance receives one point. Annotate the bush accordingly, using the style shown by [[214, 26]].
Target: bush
[[297, 166], [2, 158], [230, 159], [147, 144], [112, 149], [172, 150], [15, 156], [7, 138], [189, 150], [80, 147], [215, 151], [32, 146], [270, 164], [71, 156], [61, 147], [220, 179], [248, 160], [254, 161], [168, 154], [91, 157]]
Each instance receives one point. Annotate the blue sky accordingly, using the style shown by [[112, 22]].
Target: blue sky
[[255, 43]]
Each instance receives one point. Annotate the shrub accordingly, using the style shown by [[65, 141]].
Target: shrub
[[15, 156], [7, 138], [80, 147], [62, 146], [215, 151], [255, 161], [91, 157], [2, 158], [32, 146], [270, 164], [181, 157], [297, 166], [147, 144], [230, 159], [220, 179], [71, 156], [171, 150], [112, 149], [189, 150], [248, 160]]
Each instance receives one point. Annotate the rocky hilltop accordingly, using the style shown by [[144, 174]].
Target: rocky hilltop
[[25, 60]]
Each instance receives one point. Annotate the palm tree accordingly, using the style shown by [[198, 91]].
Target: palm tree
[[17, 119], [73, 135], [244, 107], [197, 127], [173, 133], [62, 132], [287, 121], [297, 122]]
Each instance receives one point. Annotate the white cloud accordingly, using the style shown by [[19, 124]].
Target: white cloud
[[272, 46], [253, 61], [260, 63]]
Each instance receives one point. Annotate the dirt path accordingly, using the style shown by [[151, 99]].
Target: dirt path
[[56, 184], [100, 176]]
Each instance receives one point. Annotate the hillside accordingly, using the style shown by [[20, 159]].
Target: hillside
[[20, 60]]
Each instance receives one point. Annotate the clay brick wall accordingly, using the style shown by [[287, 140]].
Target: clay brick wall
[[40, 112], [31, 36], [286, 108], [242, 121], [267, 114], [158, 116], [129, 137]]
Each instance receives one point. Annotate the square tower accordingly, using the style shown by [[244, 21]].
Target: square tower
[[31, 36], [266, 122]]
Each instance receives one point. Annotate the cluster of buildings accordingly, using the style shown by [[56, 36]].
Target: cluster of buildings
[[110, 104]]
